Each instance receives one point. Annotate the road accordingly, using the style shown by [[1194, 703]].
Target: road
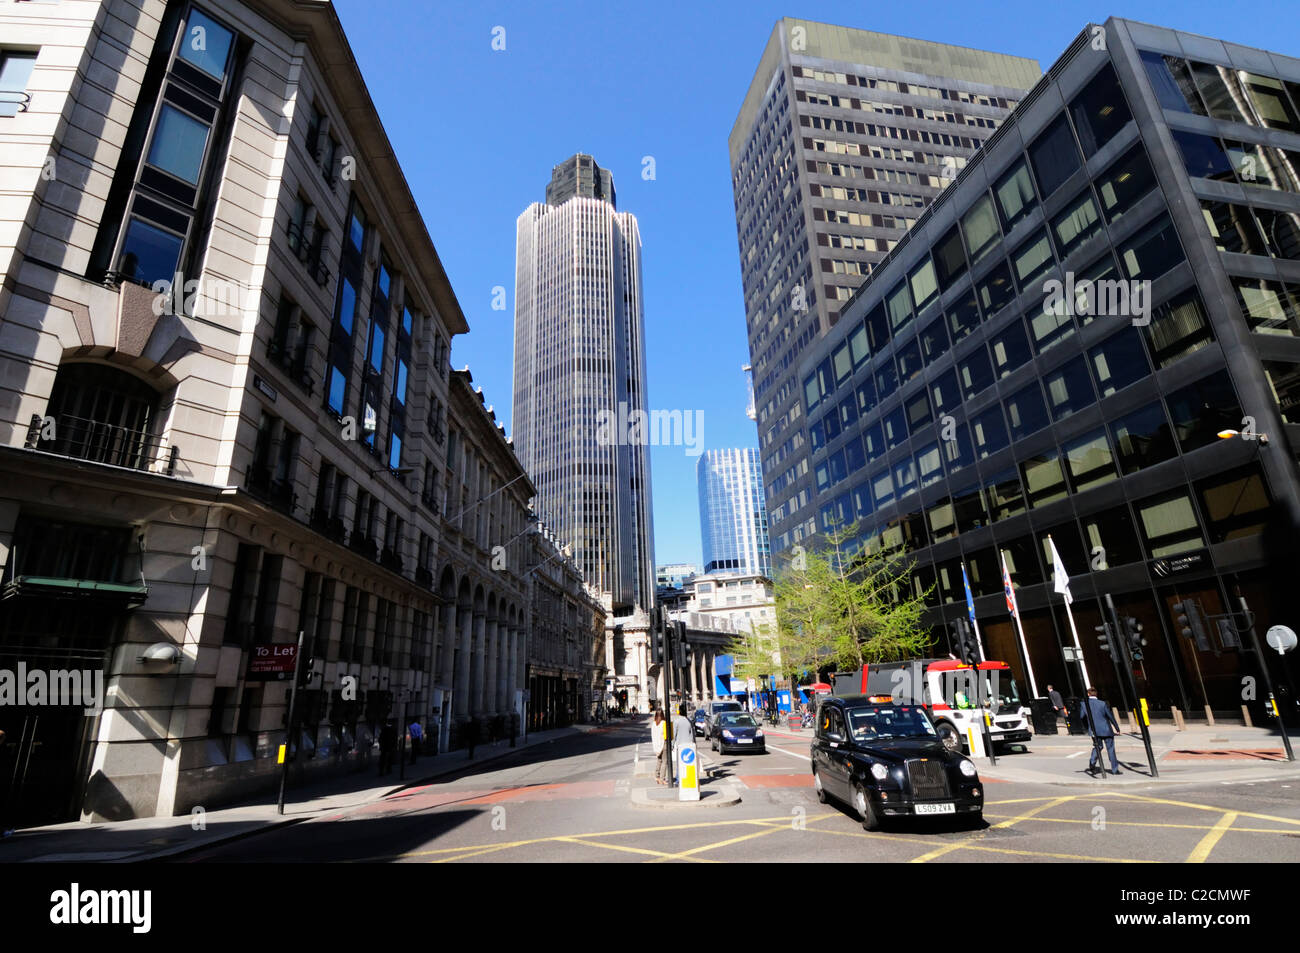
[[571, 800]]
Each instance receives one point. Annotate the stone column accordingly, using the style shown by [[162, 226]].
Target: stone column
[[478, 635], [490, 666], [713, 674], [460, 688]]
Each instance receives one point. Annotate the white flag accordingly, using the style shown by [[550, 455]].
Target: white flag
[[1060, 579]]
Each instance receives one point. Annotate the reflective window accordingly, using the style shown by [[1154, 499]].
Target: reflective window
[[866, 395], [963, 317], [848, 411], [149, 254], [1044, 481], [996, 290], [873, 441], [177, 145], [1152, 251], [1005, 498], [1281, 231], [859, 349], [942, 520], [990, 431], [1171, 82], [831, 425], [905, 477], [957, 449], [980, 226], [854, 457], [1077, 223], [968, 505], [1052, 324], [949, 259], [1270, 307], [1143, 438], [934, 341], [1233, 228], [1099, 111], [1212, 82], [1119, 360], [886, 378], [842, 363], [1054, 156], [1272, 106], [917, 409], [924, 284], [838, 467], [337, 389], [909, 361], [1026, 412], [878, 328], [1125, 183], [1069, 388], [347, 305], [1284, 381], [882, 488], [947, 398], [206, 44], [1178, 328], [1010, 348], [1204, 156], [1015, 195], [1169, 525], [1090, 460], [357, 229], [1200, 410], [895, 428], [1110, 537], [1032, 260], [1234, 504], [975, 372]]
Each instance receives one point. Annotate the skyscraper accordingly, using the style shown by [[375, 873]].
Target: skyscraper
[[733, 521], [579, 355], [843, 139]]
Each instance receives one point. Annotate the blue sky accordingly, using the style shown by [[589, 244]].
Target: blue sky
[[477, 131]]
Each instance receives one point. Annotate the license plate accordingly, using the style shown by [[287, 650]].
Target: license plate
[[936, 808], [745, 741]]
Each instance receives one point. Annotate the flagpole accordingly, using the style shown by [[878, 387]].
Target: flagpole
[[1015, 613], [970, 611], [1056, 562]]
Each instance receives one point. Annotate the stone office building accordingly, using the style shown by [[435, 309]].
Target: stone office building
[[1054, 349], [188, 481]]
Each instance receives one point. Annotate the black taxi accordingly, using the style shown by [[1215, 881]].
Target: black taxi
[[886, 760]]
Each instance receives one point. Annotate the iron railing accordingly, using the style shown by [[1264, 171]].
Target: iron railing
[[101, 442]]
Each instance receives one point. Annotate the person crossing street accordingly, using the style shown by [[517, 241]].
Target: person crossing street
[[1102, 726]]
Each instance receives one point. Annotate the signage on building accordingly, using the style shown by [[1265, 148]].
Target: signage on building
[[1176, 564], [272, 660], [264, 387]]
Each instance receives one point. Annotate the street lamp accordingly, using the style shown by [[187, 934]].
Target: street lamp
[[1229, 434]]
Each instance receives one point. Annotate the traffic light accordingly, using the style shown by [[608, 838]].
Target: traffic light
[[1133, 632], [679, 642], [656, 636], [959, 646], [1189, 622], [1104, 636]]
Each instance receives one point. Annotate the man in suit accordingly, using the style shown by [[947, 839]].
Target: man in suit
[[1058, 703], [1102, 726]]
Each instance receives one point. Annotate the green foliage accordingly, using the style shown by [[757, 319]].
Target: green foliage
[[840, 608]]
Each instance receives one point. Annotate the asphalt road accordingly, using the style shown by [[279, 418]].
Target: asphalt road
[[571, 800]]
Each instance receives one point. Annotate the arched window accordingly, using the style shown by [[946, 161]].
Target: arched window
[[102, 414]]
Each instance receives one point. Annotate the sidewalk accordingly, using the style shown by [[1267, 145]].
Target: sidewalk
[[152, 838]]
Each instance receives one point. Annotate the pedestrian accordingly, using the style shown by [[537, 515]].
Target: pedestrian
[[1058, 703], [387, 744], [417, 735], [471, 736], [659, 739], [683, 734], [1102, 726]]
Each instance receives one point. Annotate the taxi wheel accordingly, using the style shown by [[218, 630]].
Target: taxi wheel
[[948, 735], [817, 787], [866, 810]]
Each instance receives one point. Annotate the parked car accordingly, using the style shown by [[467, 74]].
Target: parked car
[[887, 760], [736, 731]]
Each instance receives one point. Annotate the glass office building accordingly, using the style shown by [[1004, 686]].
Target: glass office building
[[733, 521], [1052, 350]]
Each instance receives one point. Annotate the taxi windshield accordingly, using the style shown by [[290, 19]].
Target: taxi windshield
[[889, 721]]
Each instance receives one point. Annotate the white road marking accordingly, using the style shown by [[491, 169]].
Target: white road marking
[[1077, 754], [793, 754]]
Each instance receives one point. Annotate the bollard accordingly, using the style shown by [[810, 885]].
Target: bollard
[[1245, 717], [1132, 723], [1209, 715], [1178, 717]]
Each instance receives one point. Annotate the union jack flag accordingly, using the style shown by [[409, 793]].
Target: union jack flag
[[1008, 588]]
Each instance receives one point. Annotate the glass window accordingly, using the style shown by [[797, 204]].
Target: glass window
[[873, 440], [1010, 348], [1052, 324], [1069, 389], [1125, 183], [854, 457], [1178, 328], [823, 476], [1203, 156], [1284, 380], [1015, 195], [980, 226], [347, 305], [831, 425], [1169, 525], [878, 328], [1171, 82], [945, 394], [15, 73], [934, 341], [989, 431], [812, 393], [886, 378], [942, 519], [394, 451], [1233, 228], [1077, 223], [842, 363], [1119, 360], [929, 464], [895, 428], [1005, 497], [1219, 99], [1025, 411], [924, 285], [1281, 231], [949, 259], [917, 409], [1235, 504], [1261, 166], [839, 469], [975, 372], [996, 290], [848, 410], [957, 449], [905, 477], [816, 436], [1044, 481], [1099, 111], [149, 254], [899, 307], [377, 348], [338, 384], [968, 505], [357, 229], [206, 44], [1098, 294], [859, 349], [963, 317], [1200, 410], [1152, 251], [1111, 538], [1270, 100], [1142, 438], [1032, 260], [862, 505], [1090, 460], [882, 488], [177, 145], [866, 395], [909, 361], [1054, 156]]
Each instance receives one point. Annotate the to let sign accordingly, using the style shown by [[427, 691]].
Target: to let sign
[[272, 661]]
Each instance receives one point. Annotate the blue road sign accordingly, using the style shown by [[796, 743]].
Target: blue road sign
[[688, 755]]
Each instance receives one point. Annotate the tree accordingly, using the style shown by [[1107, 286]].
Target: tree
[[841, 607]]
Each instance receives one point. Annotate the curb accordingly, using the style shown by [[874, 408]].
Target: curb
[[725, 795]]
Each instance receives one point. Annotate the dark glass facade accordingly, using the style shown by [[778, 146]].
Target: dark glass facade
[[1053, 350]]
